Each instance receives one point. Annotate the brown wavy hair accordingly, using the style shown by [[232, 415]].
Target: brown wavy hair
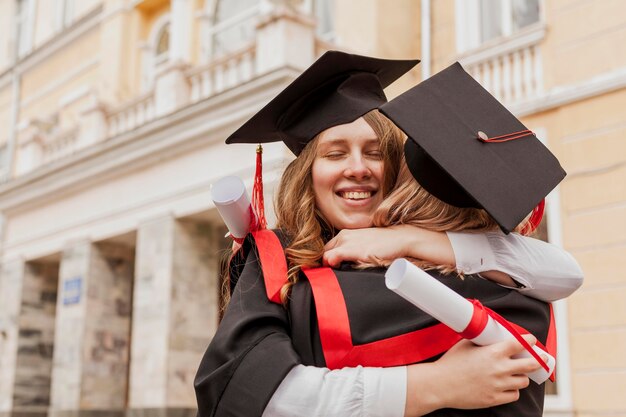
[[296, 212]]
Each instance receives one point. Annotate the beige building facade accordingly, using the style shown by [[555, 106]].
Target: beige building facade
[[113, 115]]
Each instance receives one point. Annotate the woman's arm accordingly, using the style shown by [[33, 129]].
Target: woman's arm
[[538, 269], [541, 269], [350, 392], [467, 377]]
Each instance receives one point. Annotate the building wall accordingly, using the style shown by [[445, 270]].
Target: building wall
[[584, 40], [594, 199], [46, 86]]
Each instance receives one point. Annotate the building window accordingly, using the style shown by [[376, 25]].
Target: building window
[[480, 21], [323, 10], [524, 13], [232, 25], [65, 13], [324, 13], [4, 162], [503, 18], [162, 49], [24, 20], [156, 51]]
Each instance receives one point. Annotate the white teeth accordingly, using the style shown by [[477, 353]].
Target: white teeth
[[356, 195]]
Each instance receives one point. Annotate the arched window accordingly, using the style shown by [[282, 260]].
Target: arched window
[[232, 25], [162, 45]]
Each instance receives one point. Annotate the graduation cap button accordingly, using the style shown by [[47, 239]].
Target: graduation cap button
[[482, 135]]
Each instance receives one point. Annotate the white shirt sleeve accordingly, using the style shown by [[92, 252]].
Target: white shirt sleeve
[[367, 392], [543, 270]]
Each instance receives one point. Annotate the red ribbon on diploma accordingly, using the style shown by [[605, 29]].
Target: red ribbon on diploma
[[480, 318]]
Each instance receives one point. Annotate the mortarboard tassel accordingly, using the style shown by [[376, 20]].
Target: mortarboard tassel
[[258, 204], [504, 138], [535, 218]]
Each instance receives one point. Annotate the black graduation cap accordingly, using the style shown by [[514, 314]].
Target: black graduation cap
[[338, 88], [468, 150]]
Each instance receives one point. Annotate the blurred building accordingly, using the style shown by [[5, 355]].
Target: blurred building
[[113, 115]]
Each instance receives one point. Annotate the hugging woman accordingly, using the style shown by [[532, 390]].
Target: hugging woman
[[267, 357]]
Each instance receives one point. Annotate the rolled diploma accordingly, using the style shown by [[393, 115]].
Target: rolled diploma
[[445, 305], [231, 199]]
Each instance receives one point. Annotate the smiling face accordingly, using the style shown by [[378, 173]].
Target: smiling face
[[347, 174]]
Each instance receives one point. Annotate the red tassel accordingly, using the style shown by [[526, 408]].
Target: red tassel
[[535, 218], [258, 205]]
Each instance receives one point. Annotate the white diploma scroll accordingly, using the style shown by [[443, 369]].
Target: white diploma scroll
[[231, 199], [450, 308]]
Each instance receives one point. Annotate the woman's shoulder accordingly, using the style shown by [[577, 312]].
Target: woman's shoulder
[[262, 251]]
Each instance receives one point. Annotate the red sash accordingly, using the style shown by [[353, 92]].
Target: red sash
[[334, 323], [273, 262]]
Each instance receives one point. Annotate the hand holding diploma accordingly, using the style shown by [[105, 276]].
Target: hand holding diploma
[[456, 312]]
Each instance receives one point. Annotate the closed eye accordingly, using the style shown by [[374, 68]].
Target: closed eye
[[334, 155]]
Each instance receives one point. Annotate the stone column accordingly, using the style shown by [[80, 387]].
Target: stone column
[[36, 338], [175, 313], [284, 37], [92, 339], [11, 277], [182, 16]]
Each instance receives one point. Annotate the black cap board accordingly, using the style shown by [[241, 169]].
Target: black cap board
[[338, 88], [459, 148]]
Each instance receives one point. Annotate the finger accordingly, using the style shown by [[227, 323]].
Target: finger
[[513, 347], [508, 397], [517, 382], [523, 366], [333, 258], [532, 340]]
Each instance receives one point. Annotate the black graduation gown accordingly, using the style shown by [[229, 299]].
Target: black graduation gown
[[258, 341]]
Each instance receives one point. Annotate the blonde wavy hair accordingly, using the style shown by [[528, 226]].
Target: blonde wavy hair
[[296, 212], [410, 204]]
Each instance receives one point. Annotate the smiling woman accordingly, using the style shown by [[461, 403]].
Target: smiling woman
[[348, 174], [336, 183]]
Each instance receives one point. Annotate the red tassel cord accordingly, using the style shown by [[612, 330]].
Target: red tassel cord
[[535, 218], [258, 204], [504, 138]]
